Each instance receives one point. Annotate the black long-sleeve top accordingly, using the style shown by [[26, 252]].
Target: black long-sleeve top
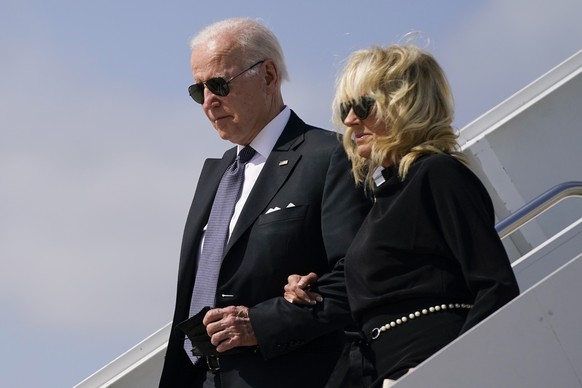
[[430, 237]]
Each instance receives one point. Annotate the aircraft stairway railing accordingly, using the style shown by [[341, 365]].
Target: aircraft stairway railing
[[537, 206]]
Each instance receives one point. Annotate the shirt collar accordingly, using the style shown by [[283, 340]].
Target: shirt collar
[[378, 177], [265, 140]]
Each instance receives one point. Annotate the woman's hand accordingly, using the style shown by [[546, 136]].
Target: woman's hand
[[298, 289]]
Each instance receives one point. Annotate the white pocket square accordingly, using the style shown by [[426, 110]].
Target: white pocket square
[[273, 209], [291, 204]]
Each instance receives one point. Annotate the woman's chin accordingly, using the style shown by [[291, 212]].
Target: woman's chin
[[363, 152]]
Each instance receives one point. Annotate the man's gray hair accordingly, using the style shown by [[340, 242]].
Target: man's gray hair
[[255, 41]]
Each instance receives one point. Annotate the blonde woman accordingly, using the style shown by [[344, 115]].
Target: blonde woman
[[427, 263]]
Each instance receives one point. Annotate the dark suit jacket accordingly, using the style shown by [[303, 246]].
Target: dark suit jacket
[[298, 345]]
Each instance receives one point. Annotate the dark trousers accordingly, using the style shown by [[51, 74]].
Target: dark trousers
[[250, 370]]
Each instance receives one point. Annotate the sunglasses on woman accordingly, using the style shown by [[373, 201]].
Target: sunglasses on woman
[[362, 108], [217, 85]]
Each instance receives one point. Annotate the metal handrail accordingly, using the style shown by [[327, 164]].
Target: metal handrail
[[537, 206]]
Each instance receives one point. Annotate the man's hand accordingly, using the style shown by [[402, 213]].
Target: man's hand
[[229, 327], [297, 289]]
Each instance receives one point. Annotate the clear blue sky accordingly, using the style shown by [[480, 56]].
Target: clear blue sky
[[101, 147]]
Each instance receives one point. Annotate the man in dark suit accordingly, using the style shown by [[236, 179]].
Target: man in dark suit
[[297, 212]]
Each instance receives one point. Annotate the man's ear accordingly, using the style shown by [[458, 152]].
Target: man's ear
[[271, 74]]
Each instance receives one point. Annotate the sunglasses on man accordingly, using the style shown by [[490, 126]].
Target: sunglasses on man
[[362, 108], [217, 85]]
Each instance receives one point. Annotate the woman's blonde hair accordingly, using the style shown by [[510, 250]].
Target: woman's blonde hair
[[413, 100]]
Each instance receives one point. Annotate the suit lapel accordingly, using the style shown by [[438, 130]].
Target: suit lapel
[[278, 166], [201, 205], [209, 181]]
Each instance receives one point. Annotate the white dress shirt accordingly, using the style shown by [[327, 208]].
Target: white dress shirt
[[263, 144]]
